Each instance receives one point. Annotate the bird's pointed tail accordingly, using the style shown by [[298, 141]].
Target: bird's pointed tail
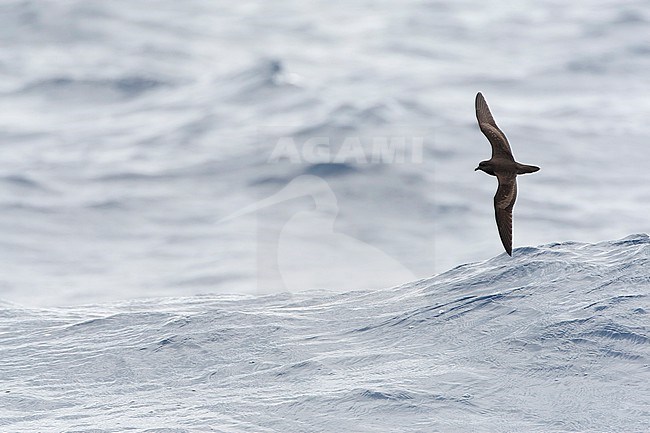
[[523, 168]]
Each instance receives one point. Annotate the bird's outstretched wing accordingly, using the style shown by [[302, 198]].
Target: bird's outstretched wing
[[496, 137], [504, 201]]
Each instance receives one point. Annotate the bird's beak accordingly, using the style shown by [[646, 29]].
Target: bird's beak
[[476, 169]]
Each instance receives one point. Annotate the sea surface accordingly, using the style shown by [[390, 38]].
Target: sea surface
[[242, 216], [130, 132], [555, 340]]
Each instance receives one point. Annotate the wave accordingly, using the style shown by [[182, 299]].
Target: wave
[[523, 340], [93, 90]]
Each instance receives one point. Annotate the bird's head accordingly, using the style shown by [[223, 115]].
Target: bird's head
[[485, 166]]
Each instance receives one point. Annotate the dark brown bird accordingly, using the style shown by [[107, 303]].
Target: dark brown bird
[[504, 167]]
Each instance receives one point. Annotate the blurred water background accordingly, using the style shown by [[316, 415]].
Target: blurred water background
[[128, 131]]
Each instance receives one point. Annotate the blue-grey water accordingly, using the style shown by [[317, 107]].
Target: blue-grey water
[[554, 340], [177, 255]]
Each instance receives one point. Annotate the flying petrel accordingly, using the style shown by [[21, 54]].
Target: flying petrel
[[504, 167]]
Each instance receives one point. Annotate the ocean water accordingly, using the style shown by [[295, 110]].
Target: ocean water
[[555, 340], [129, 132], [242, 216]]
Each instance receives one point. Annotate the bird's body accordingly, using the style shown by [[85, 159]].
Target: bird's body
[[504, 167]]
